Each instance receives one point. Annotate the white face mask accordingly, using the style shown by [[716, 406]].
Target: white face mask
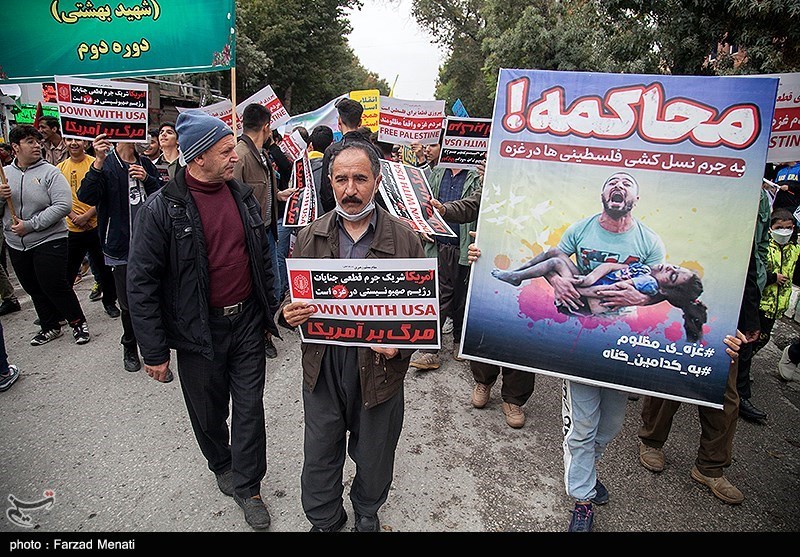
[[781, 235], [368, 208]]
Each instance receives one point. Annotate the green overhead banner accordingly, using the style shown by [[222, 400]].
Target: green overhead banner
[[96, 39]]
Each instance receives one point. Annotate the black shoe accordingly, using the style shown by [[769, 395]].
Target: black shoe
[[112, 310], [270, 349], [255, 512], [9, 306], [750, 412], [338, 525], [367, 524], [130, 358], [225, 482]]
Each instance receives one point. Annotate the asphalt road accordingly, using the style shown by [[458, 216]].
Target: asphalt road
[[117, 451]]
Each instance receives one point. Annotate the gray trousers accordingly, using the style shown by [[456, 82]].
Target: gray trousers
[[331, 410]]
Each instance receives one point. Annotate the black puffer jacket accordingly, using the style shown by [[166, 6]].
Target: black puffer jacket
[[168, 284]]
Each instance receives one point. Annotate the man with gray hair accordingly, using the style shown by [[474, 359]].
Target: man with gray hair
[[200, 281]]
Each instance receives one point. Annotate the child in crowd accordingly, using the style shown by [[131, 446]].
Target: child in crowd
[[782, 256], [679, 286]]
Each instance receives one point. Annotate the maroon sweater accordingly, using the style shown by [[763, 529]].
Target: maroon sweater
[[228, 262]]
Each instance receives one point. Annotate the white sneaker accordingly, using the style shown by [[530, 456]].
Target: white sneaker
[[787, 370]]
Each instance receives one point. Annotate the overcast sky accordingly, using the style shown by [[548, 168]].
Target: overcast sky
[[388, 41]]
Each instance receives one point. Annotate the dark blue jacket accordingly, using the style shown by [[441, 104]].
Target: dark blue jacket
[[108, 191]]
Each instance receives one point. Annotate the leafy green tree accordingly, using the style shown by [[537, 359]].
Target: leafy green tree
[[307, 41], [456, 26], [630, 36], [299, 48]]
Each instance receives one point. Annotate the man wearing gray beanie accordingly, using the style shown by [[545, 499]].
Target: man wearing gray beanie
[[201, 282]]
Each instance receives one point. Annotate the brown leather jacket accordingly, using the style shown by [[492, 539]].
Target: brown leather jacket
[[380, 378], [250, 170]]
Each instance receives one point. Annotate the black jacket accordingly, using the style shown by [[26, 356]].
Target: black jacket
[[168, 284], [108, 192]]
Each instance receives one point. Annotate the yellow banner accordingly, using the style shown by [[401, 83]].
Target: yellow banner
[[370, 99]]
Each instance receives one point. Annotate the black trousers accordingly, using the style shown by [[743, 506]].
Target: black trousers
[[81, 243], [453, 280], [120, 274], [235, 376], [331, 410], [42, 273], [517, 385]]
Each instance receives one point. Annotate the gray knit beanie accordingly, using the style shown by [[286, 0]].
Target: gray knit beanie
[[197, 132]]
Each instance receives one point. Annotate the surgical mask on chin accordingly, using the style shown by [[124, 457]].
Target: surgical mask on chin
[[368, 208], [781, 236]]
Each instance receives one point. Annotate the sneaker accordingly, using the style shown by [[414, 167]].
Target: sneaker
[[225, 482], [424, 361], [80, 333], [480, 395], [787, 370], [8, 379], [269, 348], [96, 293], [338, 525], [651, 458], [112, 310], [720, 487], [582, 518], [601, 494], [447, 328], [43, 337], [9, 306], [515, 417], [456, 357], [255, 512]]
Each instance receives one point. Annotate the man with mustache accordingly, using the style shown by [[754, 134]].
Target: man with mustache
[[346, 389]]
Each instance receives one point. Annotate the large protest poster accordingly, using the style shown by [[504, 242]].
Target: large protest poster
[[784, 144], [101, 40], [89, 107], [367, 302], [675, 164], [403, 122], [407, 195], [465, 142]]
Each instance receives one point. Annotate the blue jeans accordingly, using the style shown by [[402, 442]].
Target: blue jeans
[[592, 416], [281, 278]]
